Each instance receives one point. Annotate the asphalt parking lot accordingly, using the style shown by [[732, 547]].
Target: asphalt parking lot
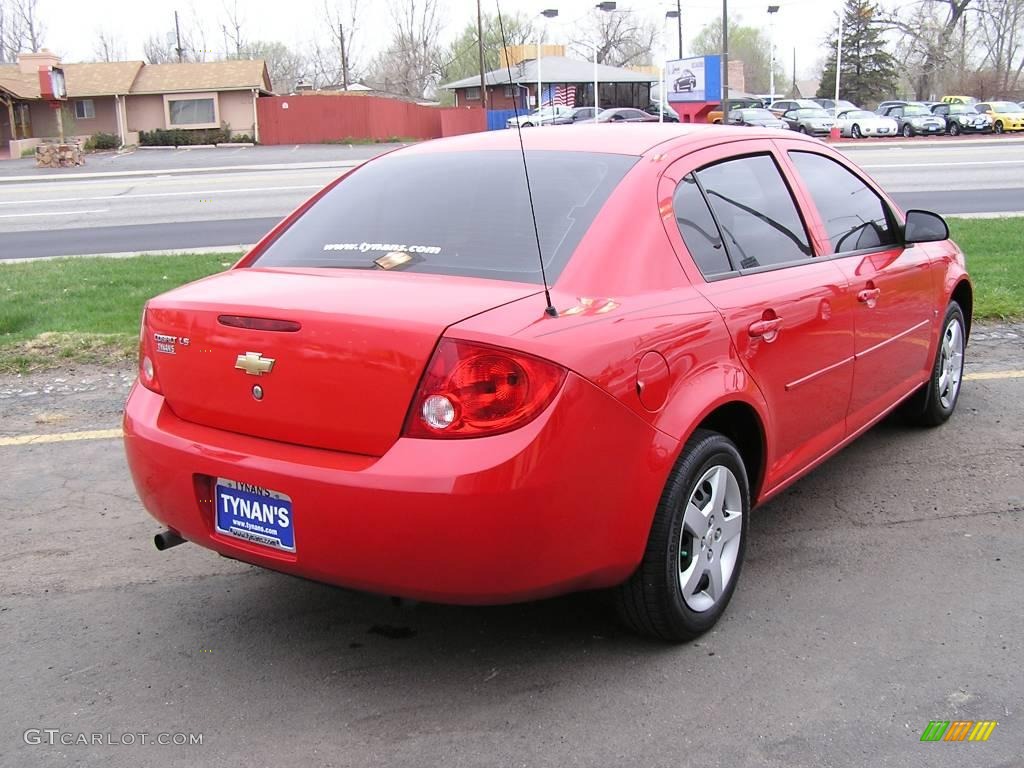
[[879, 593]]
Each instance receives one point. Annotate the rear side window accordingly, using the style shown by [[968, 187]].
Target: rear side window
[[755, 211], [855, 218], [454, 213], [698, 229]]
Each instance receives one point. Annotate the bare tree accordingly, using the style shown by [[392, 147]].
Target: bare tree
[[411, 63], [622, 38], [1001, 26], [162, 48], [232, 29], [108, 46], [927, 30], [20, 28], [342, 22], [286, 66]]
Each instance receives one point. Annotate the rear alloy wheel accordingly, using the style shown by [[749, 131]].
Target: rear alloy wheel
[[802, 129], [936, 400], [855, 131], [908, 131], [526, 125], [998, 127], [695, 548], [954, 129]]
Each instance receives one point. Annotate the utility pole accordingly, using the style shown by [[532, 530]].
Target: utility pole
[[177, 37], [480, 52], [796, 91], [725, 62], [344, 61], [679, 26]]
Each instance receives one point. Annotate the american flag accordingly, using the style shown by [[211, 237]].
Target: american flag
[[559, 96]]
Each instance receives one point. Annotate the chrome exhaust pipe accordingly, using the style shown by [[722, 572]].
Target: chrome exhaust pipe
[[167, 539]]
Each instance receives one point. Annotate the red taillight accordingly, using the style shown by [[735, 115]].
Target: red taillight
[[473, 390], [147, 369]]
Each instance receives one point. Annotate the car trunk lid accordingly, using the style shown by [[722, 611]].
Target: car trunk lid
[[341, 370]]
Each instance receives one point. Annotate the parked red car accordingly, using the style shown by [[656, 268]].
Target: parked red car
[[376, 396]]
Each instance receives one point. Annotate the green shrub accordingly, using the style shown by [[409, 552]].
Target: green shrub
[[183, 137], [100, 141]]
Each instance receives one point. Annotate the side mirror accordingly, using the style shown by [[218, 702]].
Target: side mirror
[[924, 227]]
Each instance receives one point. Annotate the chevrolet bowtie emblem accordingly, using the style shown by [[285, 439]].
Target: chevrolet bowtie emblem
[[254, 363]]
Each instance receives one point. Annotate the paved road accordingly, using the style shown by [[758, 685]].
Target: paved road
[[234, 206], [881, 592]]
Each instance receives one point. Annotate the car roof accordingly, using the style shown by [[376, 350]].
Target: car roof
[[622, 139]]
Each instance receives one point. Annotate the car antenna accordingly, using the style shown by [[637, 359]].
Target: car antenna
[[550, 309]]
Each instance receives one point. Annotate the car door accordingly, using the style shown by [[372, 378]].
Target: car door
[[894, 316], [789, 315]]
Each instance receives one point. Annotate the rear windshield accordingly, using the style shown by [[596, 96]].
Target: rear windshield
[[454, 213]]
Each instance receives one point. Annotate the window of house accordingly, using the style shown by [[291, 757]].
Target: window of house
[[855, 218], [473, 94], [184, 113], [508, 91], [755, 211], [698, 229], [85, 109]]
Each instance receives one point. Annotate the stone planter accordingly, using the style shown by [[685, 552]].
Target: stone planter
[[55, 155]]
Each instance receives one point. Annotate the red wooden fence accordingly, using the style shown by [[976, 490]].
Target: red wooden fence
[[323, 118]]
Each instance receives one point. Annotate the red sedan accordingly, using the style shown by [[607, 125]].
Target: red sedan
[[381, 395]]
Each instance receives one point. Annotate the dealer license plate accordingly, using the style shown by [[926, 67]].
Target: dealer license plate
[[254, 514]]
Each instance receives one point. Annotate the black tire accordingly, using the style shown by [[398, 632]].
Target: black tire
[[931, 405], [908, 131], [651, 601], [526, 125], [855, 132], [998, 127], [802, 130], [954, 129]]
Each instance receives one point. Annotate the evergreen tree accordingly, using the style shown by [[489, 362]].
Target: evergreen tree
[[869, 72]]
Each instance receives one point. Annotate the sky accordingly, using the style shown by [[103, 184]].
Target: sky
[[72, 27]]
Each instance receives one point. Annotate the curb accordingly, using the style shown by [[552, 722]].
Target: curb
[[230, 249], [922, 142]]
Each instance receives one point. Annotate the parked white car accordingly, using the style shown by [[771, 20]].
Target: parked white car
[[543, 116], [859, 123]]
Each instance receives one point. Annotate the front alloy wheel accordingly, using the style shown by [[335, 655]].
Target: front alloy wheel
[[695, 546], [999, 126], [936, 400], [908, 131], [954, 129], [856, 132]]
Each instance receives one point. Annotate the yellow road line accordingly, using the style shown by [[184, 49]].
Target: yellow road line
[[110, 434], [61, 437], [987, 375]]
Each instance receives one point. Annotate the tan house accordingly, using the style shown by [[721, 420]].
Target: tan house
[[125, 97]]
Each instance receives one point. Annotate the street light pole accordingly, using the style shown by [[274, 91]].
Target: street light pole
[[772, 10], [839, 63], [663, 94], [725, 62], [480, 54]]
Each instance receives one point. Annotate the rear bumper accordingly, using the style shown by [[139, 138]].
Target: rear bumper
[[562, 504]]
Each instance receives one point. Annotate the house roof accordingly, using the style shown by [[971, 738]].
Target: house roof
[[124, 77], [554, 69], [235, 75]]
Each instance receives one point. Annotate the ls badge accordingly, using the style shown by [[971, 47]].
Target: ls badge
[[254, 363]]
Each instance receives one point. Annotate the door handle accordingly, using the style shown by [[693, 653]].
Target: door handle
[[765, 328], [868, 295]]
